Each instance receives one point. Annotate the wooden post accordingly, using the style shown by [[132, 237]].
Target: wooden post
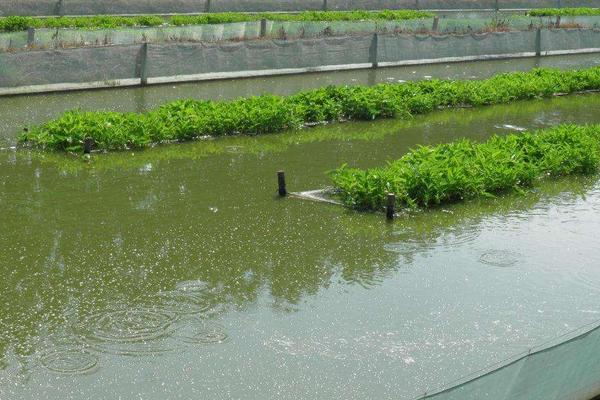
[[143, 65], [436, 22], [417, 6], [373, 50], [88, 143], [496, 5], [325, 5], [558, 21], [263, 28], [538, 42], [281, 183], [207, 6], [59, 9], [30, 37], [390, 208]]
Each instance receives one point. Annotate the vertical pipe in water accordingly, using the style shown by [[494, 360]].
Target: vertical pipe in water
[[390, 208], [88, 143], [281, 183]]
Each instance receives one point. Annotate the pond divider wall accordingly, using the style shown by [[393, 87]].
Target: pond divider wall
[[72, 37], [95, 7], [125, 65], [566, 368]]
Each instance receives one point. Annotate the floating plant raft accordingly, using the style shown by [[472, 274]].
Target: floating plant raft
[[191, 119], [432, 175]]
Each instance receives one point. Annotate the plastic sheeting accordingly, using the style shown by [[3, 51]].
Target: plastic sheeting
[[69, 66], [167, 60], [562, 40], [13, 40], [394, 48], [58, 38], [566, 370], [66, 38], [90, 7]]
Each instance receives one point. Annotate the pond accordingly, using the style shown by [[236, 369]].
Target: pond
[[177, 273]]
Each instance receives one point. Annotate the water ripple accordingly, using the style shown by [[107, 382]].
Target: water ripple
[[69, 361], [129, 331], [500, 258], [443, 240], [183, 301], [204, 332]]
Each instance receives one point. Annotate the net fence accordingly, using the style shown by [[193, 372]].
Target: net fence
[[67, 38], [567, 368], [91, 7], [188, 61]]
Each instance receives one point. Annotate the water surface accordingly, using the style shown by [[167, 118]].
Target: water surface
[[176, 272]]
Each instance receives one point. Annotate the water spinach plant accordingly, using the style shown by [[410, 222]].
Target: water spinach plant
[[566, 12], [433, 175], [189, 119], [18, 23]]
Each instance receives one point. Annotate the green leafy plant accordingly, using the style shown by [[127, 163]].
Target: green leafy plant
[[433, 175], [554, 12], [15, 23], [189, 119]]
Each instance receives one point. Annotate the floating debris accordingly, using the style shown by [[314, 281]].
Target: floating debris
[[321, 195], [511, 127]]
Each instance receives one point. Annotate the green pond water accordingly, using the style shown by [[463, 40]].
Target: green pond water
[[177, 273]]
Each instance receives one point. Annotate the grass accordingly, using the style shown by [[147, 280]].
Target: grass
[[17, 23], [564, 12], [190, 119], [433, 175]]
